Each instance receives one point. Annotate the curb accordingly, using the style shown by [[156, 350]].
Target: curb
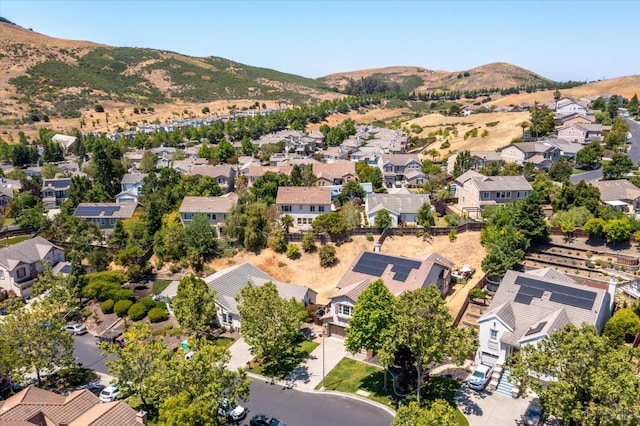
[[334, 393]]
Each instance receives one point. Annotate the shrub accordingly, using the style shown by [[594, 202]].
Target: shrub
[[308, 242], [107, 306], [477, 293], [161, 305], [327, 255], [168, 326], [122, 307], [452, 235], [148, 303], [123, 294], [369, 236], [158, 314], [137, 311], [277, 241], [293, 251]]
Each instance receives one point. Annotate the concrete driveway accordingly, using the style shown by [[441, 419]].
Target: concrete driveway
[[240, 355], [487, 409]]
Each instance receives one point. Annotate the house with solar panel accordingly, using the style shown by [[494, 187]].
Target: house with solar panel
[[105, 215], [21, 263], [399, 274], [531, 305], [228, 283], [54, 192]]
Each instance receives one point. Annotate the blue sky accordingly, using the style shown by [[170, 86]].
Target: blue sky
[[586, 40]]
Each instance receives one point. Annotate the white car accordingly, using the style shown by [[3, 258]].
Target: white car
[[232, 412], [480, 377], [76, 329], [110, 393]]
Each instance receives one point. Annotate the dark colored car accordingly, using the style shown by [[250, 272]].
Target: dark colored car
[[533, 415], [263, 420]]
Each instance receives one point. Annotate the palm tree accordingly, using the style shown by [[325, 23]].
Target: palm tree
[[524, 126], [287, 222]]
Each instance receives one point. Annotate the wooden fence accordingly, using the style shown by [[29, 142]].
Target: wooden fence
[[465, 304]]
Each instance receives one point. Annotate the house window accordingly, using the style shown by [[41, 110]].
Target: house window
[[212, 216], [286, 208], [485, 195], [345, 310], [320, 208], [21, 273], [1, 274], [299, 221], [503, 194], [312, 208], [522, 194], [227, 318], [494, 334]]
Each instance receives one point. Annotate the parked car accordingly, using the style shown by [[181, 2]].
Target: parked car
[[94, 388], [480, 377], [263, 420], [533, 414], [76, 329], [232, 412], [189, 355], [110, 393], [112, 336]]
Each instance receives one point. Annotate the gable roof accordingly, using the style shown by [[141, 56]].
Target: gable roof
[[396, 203], [620, 189], [105, 210], [399, 273], [29, 251], [337, 170], [133, 178], [79, 408], [221, 204], [304, 195], [502, 183], [531, 147], [228, 283], [535, 296], [212, 171], [399, 159]]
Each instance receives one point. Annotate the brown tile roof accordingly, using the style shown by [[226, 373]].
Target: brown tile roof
[[212, 171], [221, 204], [257, 171], [334, 170], [80, 408], [315, 195]]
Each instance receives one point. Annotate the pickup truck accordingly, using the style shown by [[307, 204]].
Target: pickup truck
[[111, 336]]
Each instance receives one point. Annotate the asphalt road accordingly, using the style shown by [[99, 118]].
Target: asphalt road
[[88, 353], [634, 150], [297, 408]]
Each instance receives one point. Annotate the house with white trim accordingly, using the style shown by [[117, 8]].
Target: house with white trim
[[303, 203]]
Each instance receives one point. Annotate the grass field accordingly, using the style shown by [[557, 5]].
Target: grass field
[[350, 375], [14, 240]]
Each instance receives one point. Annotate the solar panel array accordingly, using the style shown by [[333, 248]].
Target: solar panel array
[[66, 269], [91, 211], [374, 264], [58, 183], [531, 287]]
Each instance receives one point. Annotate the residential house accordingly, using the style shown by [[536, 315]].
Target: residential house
[[65, 141], [569, 105], [228, 283], [619, 194], [531, 305], [215, 208], [54, 191], [256, 171], [480, 159], [337, 173], [35, 406], [542, 155], [334, 153], [567, 150], [184, 166], [402, 208], [224, 174], [105, 214], [574, 118], [131, 186], [399, 274], [21, 263], [396, 167], [8, 187], [476, 191], [582, 133], [303, 203], [368, 154]]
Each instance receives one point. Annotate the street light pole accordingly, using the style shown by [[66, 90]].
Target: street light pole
[[323, 358]]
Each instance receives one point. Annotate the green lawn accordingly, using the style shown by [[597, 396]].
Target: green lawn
[[14, 240], [305, 347], [577, 171], [350, 375], [160, 285]]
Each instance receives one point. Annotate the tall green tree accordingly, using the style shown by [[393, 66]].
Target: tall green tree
[[373, 315], [35, 341], [624, 324], [561, 170], [367, 173], [617, 230], [591, 381], [270, 324], [202, 237], [463, 163], [590, 155], [383, 219], [148, 162], [424, 217], [194, 305], [351, 191], [224, 151], [423, 325]]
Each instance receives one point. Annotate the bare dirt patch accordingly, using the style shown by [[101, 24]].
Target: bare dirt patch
[[306, 270]]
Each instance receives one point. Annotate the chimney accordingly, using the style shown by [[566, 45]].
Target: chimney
[[141, 417], [613, 283]]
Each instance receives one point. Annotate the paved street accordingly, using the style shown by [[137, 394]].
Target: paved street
[[88, 353], [298, 408], [634, 150]]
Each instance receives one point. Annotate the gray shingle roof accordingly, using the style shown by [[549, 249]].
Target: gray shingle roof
[[220, 204], [29, 251], [229, 282], [396, 203], [613, 190], [525, 317]]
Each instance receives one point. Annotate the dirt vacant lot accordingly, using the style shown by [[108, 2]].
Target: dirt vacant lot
[[306, 270]]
